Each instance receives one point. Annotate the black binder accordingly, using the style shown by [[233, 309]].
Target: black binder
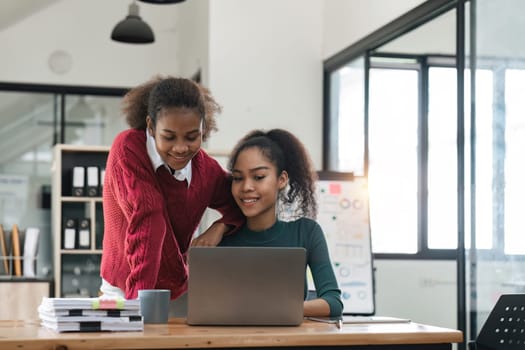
[[92, 181], [79, 182], [102, 175], [69, 238], [84, 233]]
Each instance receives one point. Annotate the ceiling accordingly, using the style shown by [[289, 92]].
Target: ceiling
[[13, 11]]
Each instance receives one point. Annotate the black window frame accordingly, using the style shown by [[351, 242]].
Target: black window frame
[[366, 48], [407, 22], [60, 93]]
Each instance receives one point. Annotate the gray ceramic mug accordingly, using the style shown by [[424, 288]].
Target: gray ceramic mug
[[154, 305]]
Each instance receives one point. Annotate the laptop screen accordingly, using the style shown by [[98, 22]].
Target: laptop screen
[[246, 285]]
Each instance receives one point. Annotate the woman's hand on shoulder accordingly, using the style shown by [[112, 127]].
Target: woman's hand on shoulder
[[211, 237]]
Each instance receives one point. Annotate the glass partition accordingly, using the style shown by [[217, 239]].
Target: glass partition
[[31, 124], [92, 120], [496, 259], [421, 166]]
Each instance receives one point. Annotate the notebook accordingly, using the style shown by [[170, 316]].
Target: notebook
[[246, 286]]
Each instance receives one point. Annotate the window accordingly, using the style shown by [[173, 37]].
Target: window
[[346, 148], [442, 158], [412, 155], [514, 168], [31, 126], [393, 163], [34, 118], [484, 151], [409, 125], [417, 172]]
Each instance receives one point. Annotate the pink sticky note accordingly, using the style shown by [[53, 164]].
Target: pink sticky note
[[335, 188]]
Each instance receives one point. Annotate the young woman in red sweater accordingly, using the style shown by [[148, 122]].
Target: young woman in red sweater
[[157, 185]]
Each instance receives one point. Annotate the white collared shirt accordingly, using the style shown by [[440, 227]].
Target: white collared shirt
[[156, 161]]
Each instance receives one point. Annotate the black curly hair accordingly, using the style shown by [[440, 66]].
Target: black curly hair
[[286, 152], [164, 92]]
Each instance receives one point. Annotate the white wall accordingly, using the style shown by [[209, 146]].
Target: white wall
[[192, 42], [348, 21], [442, 30], [82, 29], [420, 290], [265, 68]]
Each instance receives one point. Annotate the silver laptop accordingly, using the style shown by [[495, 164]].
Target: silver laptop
[[246, 286]]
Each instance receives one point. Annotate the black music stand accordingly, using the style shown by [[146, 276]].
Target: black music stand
[[504, 329]]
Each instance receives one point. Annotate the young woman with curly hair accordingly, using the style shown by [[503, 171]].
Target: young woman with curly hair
[[273, 177]]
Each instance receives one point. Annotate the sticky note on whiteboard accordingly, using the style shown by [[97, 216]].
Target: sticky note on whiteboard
[[334, 188]]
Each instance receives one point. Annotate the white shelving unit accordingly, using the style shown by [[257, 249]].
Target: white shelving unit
[[76, 271]]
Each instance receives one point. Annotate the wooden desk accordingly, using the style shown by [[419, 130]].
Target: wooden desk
[[29, 335]]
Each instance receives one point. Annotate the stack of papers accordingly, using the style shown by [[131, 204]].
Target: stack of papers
[[90, 314]]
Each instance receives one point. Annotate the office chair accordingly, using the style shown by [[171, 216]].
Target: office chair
[[504, 329]]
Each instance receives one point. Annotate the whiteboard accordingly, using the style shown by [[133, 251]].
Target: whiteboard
[[343, 214]]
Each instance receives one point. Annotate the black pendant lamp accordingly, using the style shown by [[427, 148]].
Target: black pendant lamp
[[133, 29]]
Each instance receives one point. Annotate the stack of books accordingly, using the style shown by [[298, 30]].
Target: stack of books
[[90, 314]]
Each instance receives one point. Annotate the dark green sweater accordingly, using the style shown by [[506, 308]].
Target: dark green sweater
[[304, 233]]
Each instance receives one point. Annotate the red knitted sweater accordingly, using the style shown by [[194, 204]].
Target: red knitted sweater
[[150, 217]]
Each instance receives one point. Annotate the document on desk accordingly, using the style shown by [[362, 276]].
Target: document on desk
[[347, 319], [91, 314], [90, 303], [97, 326]]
